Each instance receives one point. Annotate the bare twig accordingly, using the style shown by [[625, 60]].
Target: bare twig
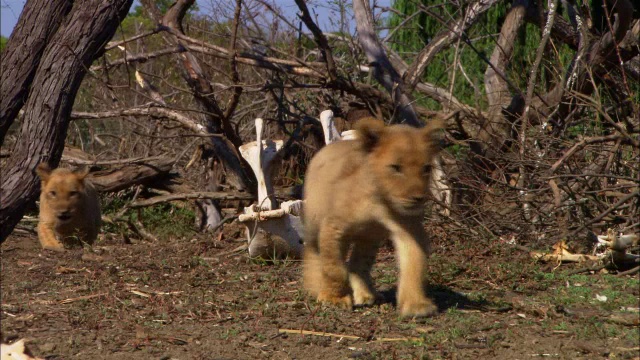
[[192, 196], [605, 213], [352, 337]]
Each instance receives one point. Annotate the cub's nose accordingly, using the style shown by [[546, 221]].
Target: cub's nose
[[64, 215]]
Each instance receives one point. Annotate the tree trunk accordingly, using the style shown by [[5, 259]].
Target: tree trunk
[[38, 21], [68, 54]]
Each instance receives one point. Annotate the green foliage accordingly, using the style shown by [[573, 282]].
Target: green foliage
[[3, 43], [167, 220], [164, 221], [413, 35]]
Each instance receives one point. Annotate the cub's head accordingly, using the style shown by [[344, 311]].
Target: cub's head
[[63, 191], [400, 158]]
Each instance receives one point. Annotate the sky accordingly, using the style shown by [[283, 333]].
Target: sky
[[10, 11]]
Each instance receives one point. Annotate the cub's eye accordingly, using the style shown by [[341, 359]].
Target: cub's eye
[[73, 193], [396, 167], [427, 169], [52, 193]]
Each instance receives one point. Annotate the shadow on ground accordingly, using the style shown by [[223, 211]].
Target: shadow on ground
[[446, 298]]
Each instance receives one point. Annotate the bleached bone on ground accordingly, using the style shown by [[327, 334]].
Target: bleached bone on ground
[[439, 185], [212, 217], [16, 351], [271, 231], [615, 250], [617, 242], [616, 246], [561, 253]]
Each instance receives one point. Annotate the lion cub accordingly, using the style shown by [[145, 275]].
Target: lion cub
[[358, 193], [69, 208]]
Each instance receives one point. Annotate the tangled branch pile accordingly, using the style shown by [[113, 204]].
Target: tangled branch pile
[[541, 99]]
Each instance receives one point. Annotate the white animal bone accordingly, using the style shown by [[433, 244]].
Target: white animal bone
[[617, 246], [261, 159], [331, 134], [265, 219], [15, 351], [328, 127], [618, 242]]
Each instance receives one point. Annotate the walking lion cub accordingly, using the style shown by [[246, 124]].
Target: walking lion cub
[[358, 193], [69, 208]]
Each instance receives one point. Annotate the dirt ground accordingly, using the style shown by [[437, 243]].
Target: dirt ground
[[199, 297]]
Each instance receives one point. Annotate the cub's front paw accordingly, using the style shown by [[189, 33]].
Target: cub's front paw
[[423, 308], [365, 297], [344, 301], [54, 247]]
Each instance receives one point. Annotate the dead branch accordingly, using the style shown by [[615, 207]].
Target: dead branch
[[320, 39], [606, 212], [129, 175], [443, 39], [226, 148], [383, 70], [235, 76], [135, 160], [137, 58], [214, 195], [156, 111]]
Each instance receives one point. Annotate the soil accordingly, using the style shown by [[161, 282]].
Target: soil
[[201, 297]]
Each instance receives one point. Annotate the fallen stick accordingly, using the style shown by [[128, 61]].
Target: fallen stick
[[67, 301], [214, 195], [352, 337], [317, 333], [629, 272], [134, 160], [587, 269], [620, 319], [131, 174]]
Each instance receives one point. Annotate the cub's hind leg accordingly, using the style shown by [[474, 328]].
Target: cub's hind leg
[[334, 279], [362, 259], [312, 269]]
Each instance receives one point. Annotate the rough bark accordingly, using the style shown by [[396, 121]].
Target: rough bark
[[68, 54], [495, 84], [20, 59], [383, 70]]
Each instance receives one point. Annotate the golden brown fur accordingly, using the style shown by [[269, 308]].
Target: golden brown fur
[[357, 194], [69, 208]]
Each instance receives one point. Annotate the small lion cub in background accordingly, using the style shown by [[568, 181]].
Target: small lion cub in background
[[357, 194], [69, 208]]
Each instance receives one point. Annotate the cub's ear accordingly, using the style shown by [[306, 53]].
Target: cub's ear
[[82, 173], [369, 130], [432, 133], [44, 171]]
